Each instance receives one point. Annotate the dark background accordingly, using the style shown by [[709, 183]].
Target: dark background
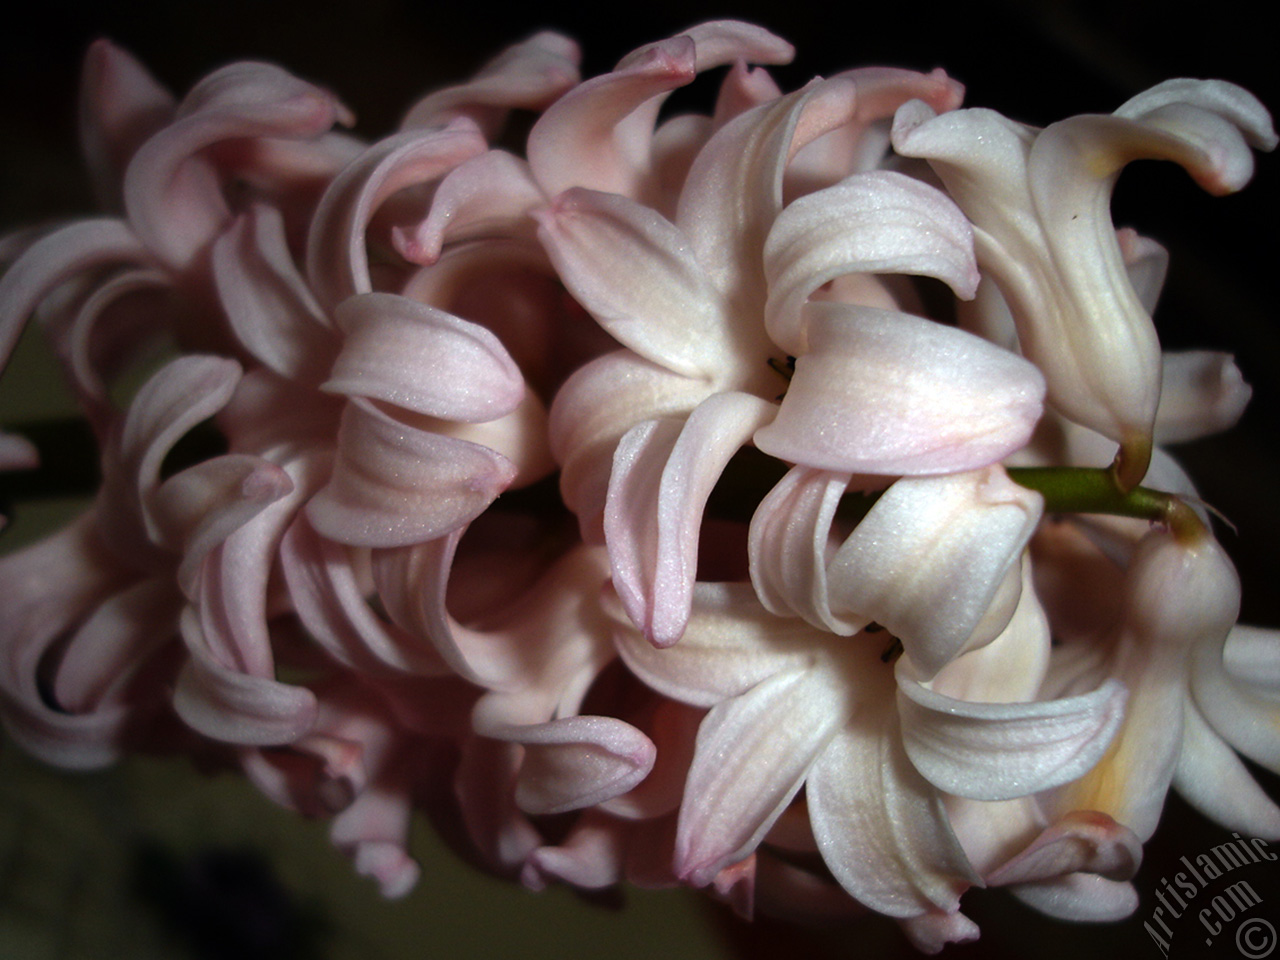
[[1036, 62]]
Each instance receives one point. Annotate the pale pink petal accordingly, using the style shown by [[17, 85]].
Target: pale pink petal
[[634, 272], [520, 436], [411, 582], [374, 832], [1147, 264], [598, 134], [1206, 117], [337, 262], [195, 510], [330, 603], [575, 762], [741, 90], [590, 858], [268, 304], [1240, 700], [422, 359], [875, 222], [1216, 782], [232, 706], [788, 546], [486, 195], [114, 642], [121, 105], [754, 752], [394, 485], [881, 827], [1202, 393], [46, 590], [730, 646], [861, 144], [105, 334], [1178, 597], [273, 416], [879, 391], [663, 472], [485, 790], [594, 408], [930, 932], [734, 189], [1080, 898], [172, 193], [529, 75], [182, 394], [78, 248], [988, 751], [930, 558]]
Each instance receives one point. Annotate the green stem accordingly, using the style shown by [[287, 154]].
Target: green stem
[[1093, 490]]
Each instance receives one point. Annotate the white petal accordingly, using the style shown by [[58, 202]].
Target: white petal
[[875, 222], [663, 472], [754, 752], [879, 390], [931, 556]]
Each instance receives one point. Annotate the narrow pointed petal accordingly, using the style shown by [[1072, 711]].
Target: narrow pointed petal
[[734, 189], [1080, 898], [75, 249], [115, 642], [121, 106], [394, 485], [597, 134], [878, 392], [182, 394], [754, 752], [268, 304], [634, 272], [875, 222], [171, 191], [197, 509], [337, 264], [787, 546], [1242, 705], [1080, 842], [575, 762], [595, 407], [231, 706], [423, 359], [331, 605], [1211, 778], [730, 645], [1202, 393], [881, 827], [530, 75], [486, 195], [663, 472]]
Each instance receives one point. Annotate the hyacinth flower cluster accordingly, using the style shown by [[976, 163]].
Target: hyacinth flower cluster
[[630, 504]]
